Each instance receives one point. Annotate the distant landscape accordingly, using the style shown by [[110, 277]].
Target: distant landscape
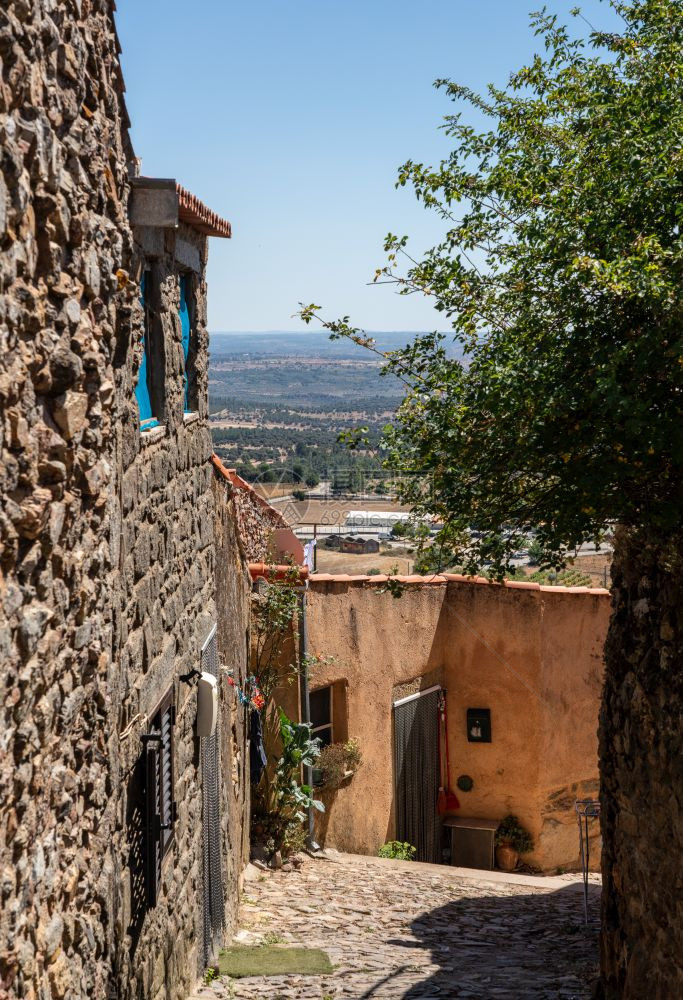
[[278, 402]]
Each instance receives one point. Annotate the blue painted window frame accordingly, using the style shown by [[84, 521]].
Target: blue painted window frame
[[186, 330], [142, 387]]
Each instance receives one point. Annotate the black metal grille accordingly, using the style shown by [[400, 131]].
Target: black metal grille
[[416, 769], [214, 916]]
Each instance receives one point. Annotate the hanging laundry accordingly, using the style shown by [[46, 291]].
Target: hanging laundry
[[257, 751], [252, 696], [309, 554]]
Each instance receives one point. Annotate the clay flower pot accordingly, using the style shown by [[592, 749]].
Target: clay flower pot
[[506, 857]]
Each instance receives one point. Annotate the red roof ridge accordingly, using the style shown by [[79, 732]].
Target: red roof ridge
[[242, 484], [196, 214]]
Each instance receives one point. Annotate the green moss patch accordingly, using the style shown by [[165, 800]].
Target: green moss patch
[[265, 960]]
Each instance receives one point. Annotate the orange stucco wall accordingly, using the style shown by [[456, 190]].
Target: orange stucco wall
[[533, 656]]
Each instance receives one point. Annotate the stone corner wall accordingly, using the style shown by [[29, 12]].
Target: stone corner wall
[[641, 775], [233, 604], [65, 321], [107, 543]]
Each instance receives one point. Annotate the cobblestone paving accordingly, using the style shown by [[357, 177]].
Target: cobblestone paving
[[411, 931]]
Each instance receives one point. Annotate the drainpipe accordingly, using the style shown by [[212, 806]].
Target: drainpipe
[[306, 705]]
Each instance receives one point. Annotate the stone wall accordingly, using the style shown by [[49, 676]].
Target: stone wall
[[641, 774], [233, 590], [532, 655], [65, 324], [163, 611], [107, 541], [256, 519]]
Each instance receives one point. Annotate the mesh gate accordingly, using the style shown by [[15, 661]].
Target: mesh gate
[[416, 770], [211, 826]]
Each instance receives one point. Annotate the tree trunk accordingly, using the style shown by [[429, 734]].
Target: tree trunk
[[641, 771]]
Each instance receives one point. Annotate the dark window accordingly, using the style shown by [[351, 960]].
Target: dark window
[[187, 314], [321, 714], [144, 389], [159, 789]]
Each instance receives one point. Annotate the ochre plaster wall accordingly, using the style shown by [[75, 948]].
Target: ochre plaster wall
[[530, 655]]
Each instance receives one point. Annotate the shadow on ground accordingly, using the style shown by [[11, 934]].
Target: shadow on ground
[[515, 947]]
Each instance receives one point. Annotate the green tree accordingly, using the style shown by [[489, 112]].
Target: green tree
[[561, 273]]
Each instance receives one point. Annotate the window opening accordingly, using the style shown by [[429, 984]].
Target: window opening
[[159, 788], [321, 714], [186, 329], [143, 388]]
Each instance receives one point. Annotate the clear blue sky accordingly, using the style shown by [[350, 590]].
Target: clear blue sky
[[290, 118]]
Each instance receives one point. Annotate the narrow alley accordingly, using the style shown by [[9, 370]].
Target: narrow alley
[[406, 931]]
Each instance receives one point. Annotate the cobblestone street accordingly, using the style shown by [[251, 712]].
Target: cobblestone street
[[409, 931]]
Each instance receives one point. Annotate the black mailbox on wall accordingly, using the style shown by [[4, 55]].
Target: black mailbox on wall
[[479, 725]]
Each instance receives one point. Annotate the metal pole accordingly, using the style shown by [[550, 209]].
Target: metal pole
[[585, 809]]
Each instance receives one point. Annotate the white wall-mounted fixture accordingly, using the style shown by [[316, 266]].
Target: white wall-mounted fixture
[[207, 704]]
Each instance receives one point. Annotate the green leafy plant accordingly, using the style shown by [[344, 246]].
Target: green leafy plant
[[511, 833], [397, 849], [560, 272], [271, 938], [534, 553], [280, 808], [338, 761], [561, 578], [273, 620], [299, 749]]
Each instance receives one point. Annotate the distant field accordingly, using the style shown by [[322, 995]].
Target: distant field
[[270, 491], [279, 402], [330, 561]]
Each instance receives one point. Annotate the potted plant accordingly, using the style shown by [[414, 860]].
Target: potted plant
[[511, 841], [336, 763]]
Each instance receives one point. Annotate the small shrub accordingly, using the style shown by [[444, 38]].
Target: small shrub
[[398, 850], [336, 760], [299, 494], [271, 938], [535, 553], [510, 832], [294, 839]]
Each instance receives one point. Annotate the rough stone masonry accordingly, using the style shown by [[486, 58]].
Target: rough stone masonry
[[66, 311], [107, 541]]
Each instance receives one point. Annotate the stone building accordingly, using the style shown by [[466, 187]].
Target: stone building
[[121, 830]]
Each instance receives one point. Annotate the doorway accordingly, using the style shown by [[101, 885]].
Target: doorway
[[416, 773]]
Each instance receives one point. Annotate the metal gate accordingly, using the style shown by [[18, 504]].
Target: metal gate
[[416, 771], [214, 915]]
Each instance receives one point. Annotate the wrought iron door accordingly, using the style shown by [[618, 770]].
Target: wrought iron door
[[416, 774]]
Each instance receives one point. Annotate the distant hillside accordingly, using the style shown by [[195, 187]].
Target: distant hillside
[[307, 344], [279, 400]]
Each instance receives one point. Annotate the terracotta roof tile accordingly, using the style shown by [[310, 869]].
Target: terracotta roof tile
[[436, 579], [196, 214], [271, 571]]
